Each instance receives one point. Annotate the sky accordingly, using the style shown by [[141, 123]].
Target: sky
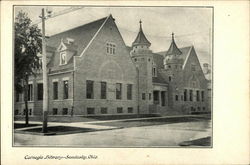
[[191, 26]]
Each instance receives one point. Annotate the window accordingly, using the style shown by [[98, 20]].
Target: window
[[65, 111], [149, 60], [149, 96], [185, 94], [154, 72], [17, 97], [192, 67], [156, 97], [119, 110], [55, 111], [143, 96], [118, 91], [130, 109], [111, 48], [30, 112], [135, 59], [129, 91], [169, 66], [197, 95], [204, 108], [66, 89], [90, 111], [55, 90], [103, 90], [16, 112], [191, 95], [63, 58], [198, 108], [30, 92], [163, 99], [202, 96], [104, 110], [39, 91], [169, 78], [176, 98], [90, 89]]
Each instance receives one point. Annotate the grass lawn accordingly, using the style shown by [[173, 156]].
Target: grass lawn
[[22, 125], [60, 130], [149, 122], [197, 142]]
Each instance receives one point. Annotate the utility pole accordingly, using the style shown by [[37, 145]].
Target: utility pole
[[45, 76]]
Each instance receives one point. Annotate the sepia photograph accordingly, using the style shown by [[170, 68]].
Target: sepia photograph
[[113, 76]]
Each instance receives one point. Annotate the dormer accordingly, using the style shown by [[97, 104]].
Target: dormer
[[66, 50]]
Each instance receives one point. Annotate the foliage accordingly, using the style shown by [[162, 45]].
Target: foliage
[[28, 44]]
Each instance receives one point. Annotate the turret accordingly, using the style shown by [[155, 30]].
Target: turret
[[142, 58], [141, 44], [173, 58]]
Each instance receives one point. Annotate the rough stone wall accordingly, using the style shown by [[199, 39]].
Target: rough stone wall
[[97, 65]]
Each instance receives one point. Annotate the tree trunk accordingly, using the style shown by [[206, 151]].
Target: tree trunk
[[26, 100]]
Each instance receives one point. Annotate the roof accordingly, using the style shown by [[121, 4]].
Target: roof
[[173, 49], [81, 35], [158, 60], [184, 54], [159, 78], [141, 38]]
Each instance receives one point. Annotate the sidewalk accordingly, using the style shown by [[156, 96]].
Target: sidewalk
[[91, 124]]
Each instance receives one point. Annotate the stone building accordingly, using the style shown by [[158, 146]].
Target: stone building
[[91, 71]]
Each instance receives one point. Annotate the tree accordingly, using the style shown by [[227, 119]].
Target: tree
[[28, 44]]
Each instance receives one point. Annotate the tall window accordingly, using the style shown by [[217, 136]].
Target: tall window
[[129, 91], [63, 58], [176, 98], [169, 78], [191, 95], [143, 96], [185, 95], [111, 48], [103, 90], [90, 89], [154, 72], [30, 92], [40, 91], [193, 67], [55, 90], [149, 96], [66, 89], [163, 98], [202, 96], [197, 95], [118, 91]]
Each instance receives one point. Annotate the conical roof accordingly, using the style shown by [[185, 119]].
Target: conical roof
[[141, 38], [173, 49]]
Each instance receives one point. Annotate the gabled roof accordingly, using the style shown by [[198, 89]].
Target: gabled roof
[[141, 38], [81, 35], [184, 54], [173, 49]]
